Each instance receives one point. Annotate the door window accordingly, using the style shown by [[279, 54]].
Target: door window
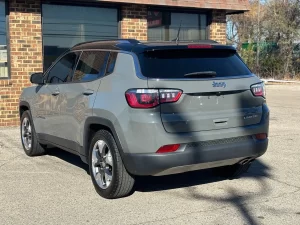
[[91, 66], [61, 72]]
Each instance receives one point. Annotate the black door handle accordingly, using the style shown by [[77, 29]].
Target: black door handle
[[88, 92]]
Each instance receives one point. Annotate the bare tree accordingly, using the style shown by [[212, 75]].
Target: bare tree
[[267, 35]]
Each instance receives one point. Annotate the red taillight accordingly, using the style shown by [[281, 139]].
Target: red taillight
[[199, 46], [145, 98], [142, 98], [149, 98], [261, 136], [168, 148], [258, 90]]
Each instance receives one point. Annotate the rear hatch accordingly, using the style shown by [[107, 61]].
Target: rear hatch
[[215, 84]]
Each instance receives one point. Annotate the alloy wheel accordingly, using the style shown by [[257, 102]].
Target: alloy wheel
[[102, 164], [26, 134]]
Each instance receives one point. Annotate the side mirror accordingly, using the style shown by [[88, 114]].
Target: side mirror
[[37, 78]]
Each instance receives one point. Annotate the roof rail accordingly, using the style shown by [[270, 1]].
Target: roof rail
[[132, 41]]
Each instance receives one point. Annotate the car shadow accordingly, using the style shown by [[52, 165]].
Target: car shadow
[[258, 170], [69, 158], [232, 196], [190, 180]]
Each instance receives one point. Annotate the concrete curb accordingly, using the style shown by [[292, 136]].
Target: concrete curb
[[270, 81]]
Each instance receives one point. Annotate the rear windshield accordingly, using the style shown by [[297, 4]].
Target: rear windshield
[[177, 63]]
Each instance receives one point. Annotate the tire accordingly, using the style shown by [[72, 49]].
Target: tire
[[109, 175], [33, 147], [232, 171]]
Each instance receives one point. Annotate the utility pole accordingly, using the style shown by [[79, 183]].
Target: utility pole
[[258, 39]]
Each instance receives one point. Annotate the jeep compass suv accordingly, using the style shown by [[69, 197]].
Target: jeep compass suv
[[131, 109]]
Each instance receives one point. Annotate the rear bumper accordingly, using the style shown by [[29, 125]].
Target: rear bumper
[[196, 156], [199, 150]]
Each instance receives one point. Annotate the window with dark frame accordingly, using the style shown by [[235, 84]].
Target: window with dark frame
[[164, 25], [62, 71], [91, 66], [176, 63], [66, 25], [3, 41]]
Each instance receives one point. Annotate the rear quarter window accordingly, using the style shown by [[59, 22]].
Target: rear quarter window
[[111, 63], [175, 63], [91, 66]]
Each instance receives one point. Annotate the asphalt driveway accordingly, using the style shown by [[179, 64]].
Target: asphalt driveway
[[56, 188]]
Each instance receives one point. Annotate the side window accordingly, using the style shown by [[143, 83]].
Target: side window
[[91, 65], [62, 71], [111, 62]]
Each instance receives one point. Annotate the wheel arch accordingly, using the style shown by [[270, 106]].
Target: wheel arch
[[94, 124], [23, 106]]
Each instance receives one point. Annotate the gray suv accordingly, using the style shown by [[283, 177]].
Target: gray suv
[[134, 109]]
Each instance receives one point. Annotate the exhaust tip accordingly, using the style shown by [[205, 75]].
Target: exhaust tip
[[246, 161]]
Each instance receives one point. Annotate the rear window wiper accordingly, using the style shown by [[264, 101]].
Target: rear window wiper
[[203, 74]]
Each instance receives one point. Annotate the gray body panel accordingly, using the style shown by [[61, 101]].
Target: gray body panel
[[203, 113], [77, 108], [46, 109], [204, 107], [200, 150]]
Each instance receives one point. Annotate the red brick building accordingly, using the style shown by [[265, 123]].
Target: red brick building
[[34, 32]]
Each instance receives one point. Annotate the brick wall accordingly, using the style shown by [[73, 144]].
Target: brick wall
[[218, 26], [25, 56], [134, 22]]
